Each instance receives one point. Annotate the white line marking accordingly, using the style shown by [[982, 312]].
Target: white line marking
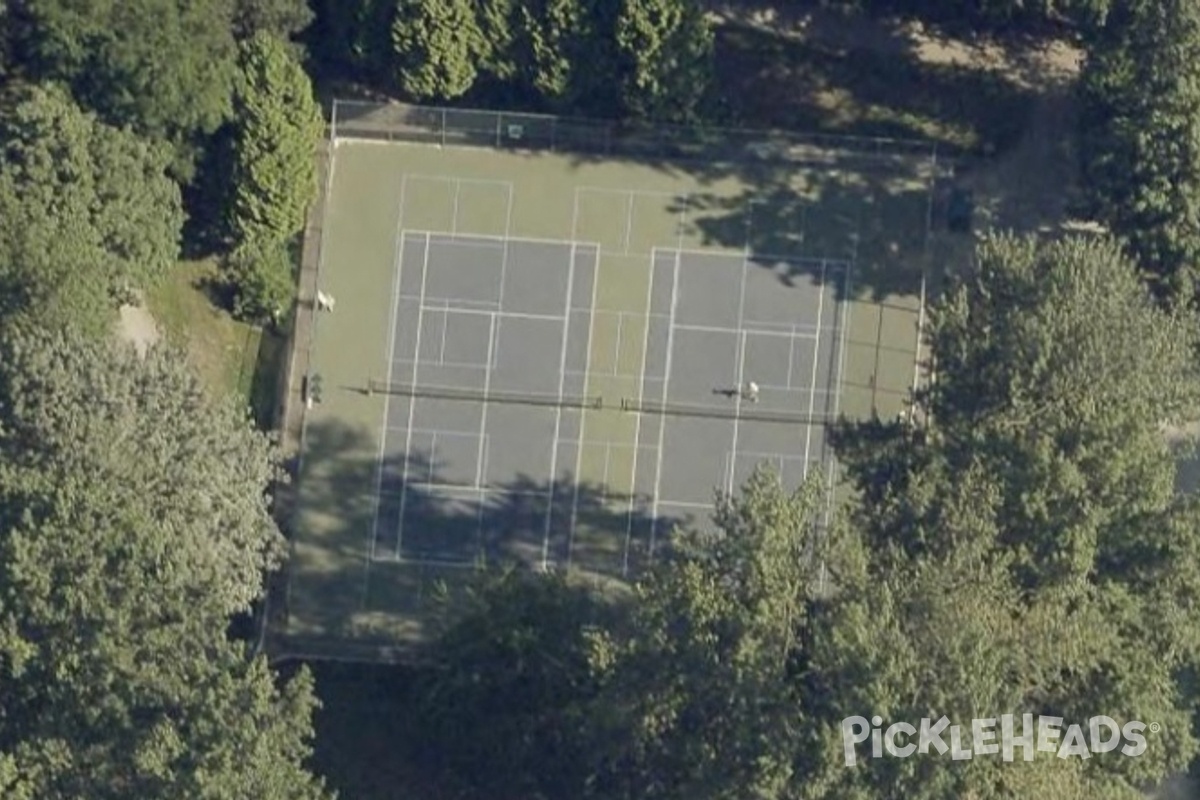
[[454, 217], [398, 265], [617, 349], [741, 369], [637, 425], [484, 312], [583, 416], [443, 179], [662, 429], [562, 378], [485, 445], [412, 404], [812, 396], [487, 386], [793, 334], [445, 325], [791, 360]]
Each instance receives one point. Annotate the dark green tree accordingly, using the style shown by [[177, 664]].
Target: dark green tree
[[263, 276], [1028, 554], [277, 132], [164, 67], [354, 37], [89, 212], [133, 523], [281, 18], [507, 692], [701, 695], [278, 128], [1141, 137], [666, 56], [438, 47]]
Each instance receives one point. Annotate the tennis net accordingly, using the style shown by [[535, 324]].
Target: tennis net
[[751, 414], [511, 398]]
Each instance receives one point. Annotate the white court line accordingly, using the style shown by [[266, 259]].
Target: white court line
[[741, 372], [791, 360], [583, 415], [412, 405], [793, 334], [637, 425], [398, 265], [487, 387], [812, 395], [617, 350], [455, 364], [756, 256], [482, 312], [485, 445], [662, 425], [454, 216], [427, 177], [562, 378], [445, 325], [508, 242], [453, 303], [464, 239], [473, 491]]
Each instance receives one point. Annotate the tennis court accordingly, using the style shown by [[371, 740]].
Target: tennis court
[[505, 373], [538, 358]]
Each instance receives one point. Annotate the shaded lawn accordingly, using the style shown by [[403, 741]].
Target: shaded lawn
[[230, 357]]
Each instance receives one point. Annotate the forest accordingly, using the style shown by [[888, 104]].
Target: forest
[[1030, 549]]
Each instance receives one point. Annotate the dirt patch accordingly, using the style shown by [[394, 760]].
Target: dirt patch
[[137, 327]]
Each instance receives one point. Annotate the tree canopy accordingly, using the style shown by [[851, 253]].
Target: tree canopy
[[666, 48], [133, 522], [1030, 554], [164, 67], [1140, 128], [89, 211], [438, 47]]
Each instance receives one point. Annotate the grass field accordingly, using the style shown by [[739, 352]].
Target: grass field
[[230, 357], [872, 213]]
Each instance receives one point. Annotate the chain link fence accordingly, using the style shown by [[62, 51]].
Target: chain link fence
[[502, 129]]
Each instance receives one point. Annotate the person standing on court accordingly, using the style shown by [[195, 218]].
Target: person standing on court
[[750, 392]]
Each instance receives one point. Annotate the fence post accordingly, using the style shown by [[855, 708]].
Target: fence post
[[333, 122], [443, 127], [553, 134], [499, 117]]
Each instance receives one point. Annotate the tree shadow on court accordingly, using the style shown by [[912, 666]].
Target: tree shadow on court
[[878, 221], [346, 579]]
